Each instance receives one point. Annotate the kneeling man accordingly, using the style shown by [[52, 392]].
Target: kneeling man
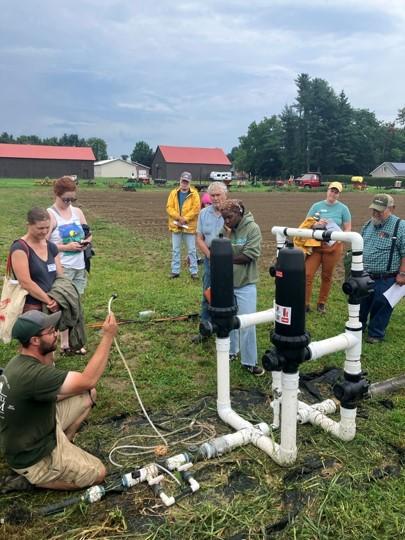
[[42, 406]]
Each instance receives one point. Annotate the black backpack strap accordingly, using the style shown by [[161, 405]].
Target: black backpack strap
[[393, 242]]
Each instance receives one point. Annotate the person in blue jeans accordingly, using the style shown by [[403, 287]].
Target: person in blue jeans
[[183, 207], [209, 225], [384, 260], [245, 236]]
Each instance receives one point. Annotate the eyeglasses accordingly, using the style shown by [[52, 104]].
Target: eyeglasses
[[67, 200], [53, 331]]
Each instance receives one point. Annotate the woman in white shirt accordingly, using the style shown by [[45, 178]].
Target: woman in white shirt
[[67, 233]]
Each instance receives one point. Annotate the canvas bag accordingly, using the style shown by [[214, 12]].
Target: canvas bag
[[12, 301]]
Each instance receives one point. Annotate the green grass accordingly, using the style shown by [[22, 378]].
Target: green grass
[[242, 494]]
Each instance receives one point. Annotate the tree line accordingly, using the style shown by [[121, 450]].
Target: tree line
[[321, 132]]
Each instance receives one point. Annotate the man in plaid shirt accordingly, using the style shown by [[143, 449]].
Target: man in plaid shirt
[[384, 260]]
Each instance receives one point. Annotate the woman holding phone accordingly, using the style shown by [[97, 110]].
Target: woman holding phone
[[67, 233]]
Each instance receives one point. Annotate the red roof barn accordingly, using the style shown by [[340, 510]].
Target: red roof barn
[[38, 161], [170, 161]]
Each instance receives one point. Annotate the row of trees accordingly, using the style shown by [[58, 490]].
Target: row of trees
[[321, 131], [142, 152]]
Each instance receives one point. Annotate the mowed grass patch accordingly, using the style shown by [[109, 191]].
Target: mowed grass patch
[[336, 489]]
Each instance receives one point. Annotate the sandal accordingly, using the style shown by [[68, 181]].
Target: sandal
[[67, 351], [81, 352]]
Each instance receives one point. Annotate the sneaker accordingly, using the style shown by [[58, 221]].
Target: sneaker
[[14, 483], [254, 370], [321, 308], [173, 275], [200, 260], [233, 357], [372, 340], [194, 276], [307, 308]]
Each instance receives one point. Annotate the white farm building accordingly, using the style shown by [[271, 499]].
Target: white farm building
[[119, 168]]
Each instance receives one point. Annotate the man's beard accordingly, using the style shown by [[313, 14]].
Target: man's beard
[[376, 221], [45, 349]]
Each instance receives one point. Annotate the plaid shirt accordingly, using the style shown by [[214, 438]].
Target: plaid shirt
[[377, 246]]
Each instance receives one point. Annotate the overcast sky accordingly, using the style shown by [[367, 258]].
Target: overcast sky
[[189, 73]]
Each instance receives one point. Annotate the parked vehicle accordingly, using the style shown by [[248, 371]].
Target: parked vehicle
[[309, 180], [221, 176]]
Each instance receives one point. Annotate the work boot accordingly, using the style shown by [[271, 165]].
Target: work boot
[[321, 308]]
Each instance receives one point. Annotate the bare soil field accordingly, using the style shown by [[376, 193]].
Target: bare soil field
[[145, 211]]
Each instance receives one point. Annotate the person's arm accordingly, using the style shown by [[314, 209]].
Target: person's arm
[[252, 248], [347, 227], [76, 382], [19, 262], [202, 246], [400, 278], [58, 264], [193, 208], [84, 222], [171, 208]]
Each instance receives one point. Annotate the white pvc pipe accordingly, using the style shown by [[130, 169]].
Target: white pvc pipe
[[251, 319], [354, 238], [341, 342], [344, 430], [289, 407], [354, 328], [276, 393], [224, 409], [328, 406]]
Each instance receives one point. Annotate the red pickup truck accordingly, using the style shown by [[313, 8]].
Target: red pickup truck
[[309, 180]]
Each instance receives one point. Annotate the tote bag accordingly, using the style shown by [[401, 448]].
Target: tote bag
[[11, 303]]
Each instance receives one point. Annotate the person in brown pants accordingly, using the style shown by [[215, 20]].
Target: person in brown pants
[[334, 215]]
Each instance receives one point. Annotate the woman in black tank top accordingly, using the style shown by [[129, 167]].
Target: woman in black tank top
[[35, 261]]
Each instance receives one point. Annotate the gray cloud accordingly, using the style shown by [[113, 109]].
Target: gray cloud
[[188, 72]]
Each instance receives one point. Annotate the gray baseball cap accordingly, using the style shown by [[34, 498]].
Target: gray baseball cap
[[30, 323], [381, 202], [186, 176]]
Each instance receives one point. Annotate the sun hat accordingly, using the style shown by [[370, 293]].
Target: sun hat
[[336, 185], [31, 322], [381, 202]]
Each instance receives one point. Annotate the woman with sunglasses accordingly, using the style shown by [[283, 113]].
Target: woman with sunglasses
[[67, 233], [333, 215]]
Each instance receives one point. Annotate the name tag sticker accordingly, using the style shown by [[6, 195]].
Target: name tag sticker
[[51, 267]]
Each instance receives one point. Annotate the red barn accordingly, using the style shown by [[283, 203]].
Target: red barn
[[39, 161], [170, 161]]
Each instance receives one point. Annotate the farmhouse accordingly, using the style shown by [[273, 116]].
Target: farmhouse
[[170, 161], [38, 161], [390, 170], [120, 168]]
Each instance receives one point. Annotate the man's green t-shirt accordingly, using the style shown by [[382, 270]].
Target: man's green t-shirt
[[28, 391]]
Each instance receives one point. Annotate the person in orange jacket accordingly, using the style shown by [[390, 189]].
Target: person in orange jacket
[[183, 207]]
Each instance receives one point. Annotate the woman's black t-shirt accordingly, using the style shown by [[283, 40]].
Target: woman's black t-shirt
[[43, 273]]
